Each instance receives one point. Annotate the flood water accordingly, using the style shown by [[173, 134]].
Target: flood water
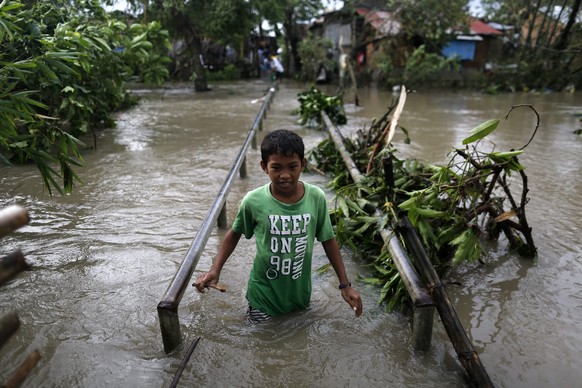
[[103, 256]]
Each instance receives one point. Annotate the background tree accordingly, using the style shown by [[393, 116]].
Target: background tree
[[290, 15], [546, 39], [430, 22], [572, 18], [193, 22], [313, 51], [62, 75]]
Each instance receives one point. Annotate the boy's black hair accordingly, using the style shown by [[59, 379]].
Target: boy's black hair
[[282, 142]]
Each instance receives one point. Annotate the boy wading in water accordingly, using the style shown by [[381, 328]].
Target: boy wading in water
[[285, 216]]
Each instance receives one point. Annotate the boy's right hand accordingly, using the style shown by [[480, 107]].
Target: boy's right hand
[[204, 280]]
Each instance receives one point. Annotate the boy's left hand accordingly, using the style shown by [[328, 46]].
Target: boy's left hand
[[353, 298]]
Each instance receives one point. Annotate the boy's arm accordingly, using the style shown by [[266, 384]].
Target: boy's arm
[[224, 251], [349, 294]]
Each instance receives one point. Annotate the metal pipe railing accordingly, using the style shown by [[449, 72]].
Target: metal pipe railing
[[421, 300], [424, 301], [11, 219], [168, 306]]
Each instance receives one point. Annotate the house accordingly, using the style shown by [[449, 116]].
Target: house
[[356, 33], [477, 47], [544, 28]]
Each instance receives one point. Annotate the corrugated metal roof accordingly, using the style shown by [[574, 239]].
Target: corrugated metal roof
[[475, 38], [381, 21], [500, 27], [477, 27]]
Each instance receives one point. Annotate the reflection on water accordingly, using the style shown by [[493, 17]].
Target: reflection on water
[[104, 256]]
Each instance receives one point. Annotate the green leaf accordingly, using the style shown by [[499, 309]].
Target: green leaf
[[102, 42], [26, 64], [341, 202], [409, 203], [382, 270], [503, 157], [11, 6], [468, 247], [426, 232], [21, 98], [430, 213], [61, 66], [70, 55], [481, 131], [4, 160], [46, 70], [13, 112], [506, 155], [388, 286], [139, 38]]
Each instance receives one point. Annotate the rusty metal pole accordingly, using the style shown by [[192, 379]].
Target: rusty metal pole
[[423, 303], [243, 167], [11, 265], [222, 222], [12, 218], [168, 306], [466, 353]]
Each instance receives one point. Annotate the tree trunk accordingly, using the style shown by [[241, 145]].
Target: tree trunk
[[534, 16], [195, 47], [145, 11], [542, 34], [290, 41], [550, 41], [563, 40]]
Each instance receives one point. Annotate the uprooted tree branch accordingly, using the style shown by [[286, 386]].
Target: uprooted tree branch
[[453, 207]]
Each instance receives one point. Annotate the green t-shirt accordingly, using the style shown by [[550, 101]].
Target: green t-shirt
[[280, 280]]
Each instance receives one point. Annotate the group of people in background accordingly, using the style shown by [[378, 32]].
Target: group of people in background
[[271, 63]]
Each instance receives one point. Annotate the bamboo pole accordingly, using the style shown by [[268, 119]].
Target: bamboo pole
[[389, 130], [12, 218], [8, 326], [11, 265], [184, 363], [423, 304], [465, 351], [23, 370], [467, 355]]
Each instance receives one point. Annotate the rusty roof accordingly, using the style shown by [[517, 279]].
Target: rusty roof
[[477, 27], [381, 21]]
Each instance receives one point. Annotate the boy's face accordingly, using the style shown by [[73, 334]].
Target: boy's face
[[284, 172]]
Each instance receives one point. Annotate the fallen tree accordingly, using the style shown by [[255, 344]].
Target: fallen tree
[[453, 207]]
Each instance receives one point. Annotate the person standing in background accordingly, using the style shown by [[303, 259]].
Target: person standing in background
[[276, 66]]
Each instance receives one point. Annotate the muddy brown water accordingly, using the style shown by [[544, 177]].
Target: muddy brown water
[[104, 256]]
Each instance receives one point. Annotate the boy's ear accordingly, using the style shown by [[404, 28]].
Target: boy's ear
[[303, 164], [264, 167]]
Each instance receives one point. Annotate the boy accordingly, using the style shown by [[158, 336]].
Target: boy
[[277, 67], [285, 216]]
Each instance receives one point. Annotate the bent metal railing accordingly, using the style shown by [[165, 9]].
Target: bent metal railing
[[423, 304], [168, 306], [426, 294]]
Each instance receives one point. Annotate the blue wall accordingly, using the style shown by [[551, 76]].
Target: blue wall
[[462, 49]]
